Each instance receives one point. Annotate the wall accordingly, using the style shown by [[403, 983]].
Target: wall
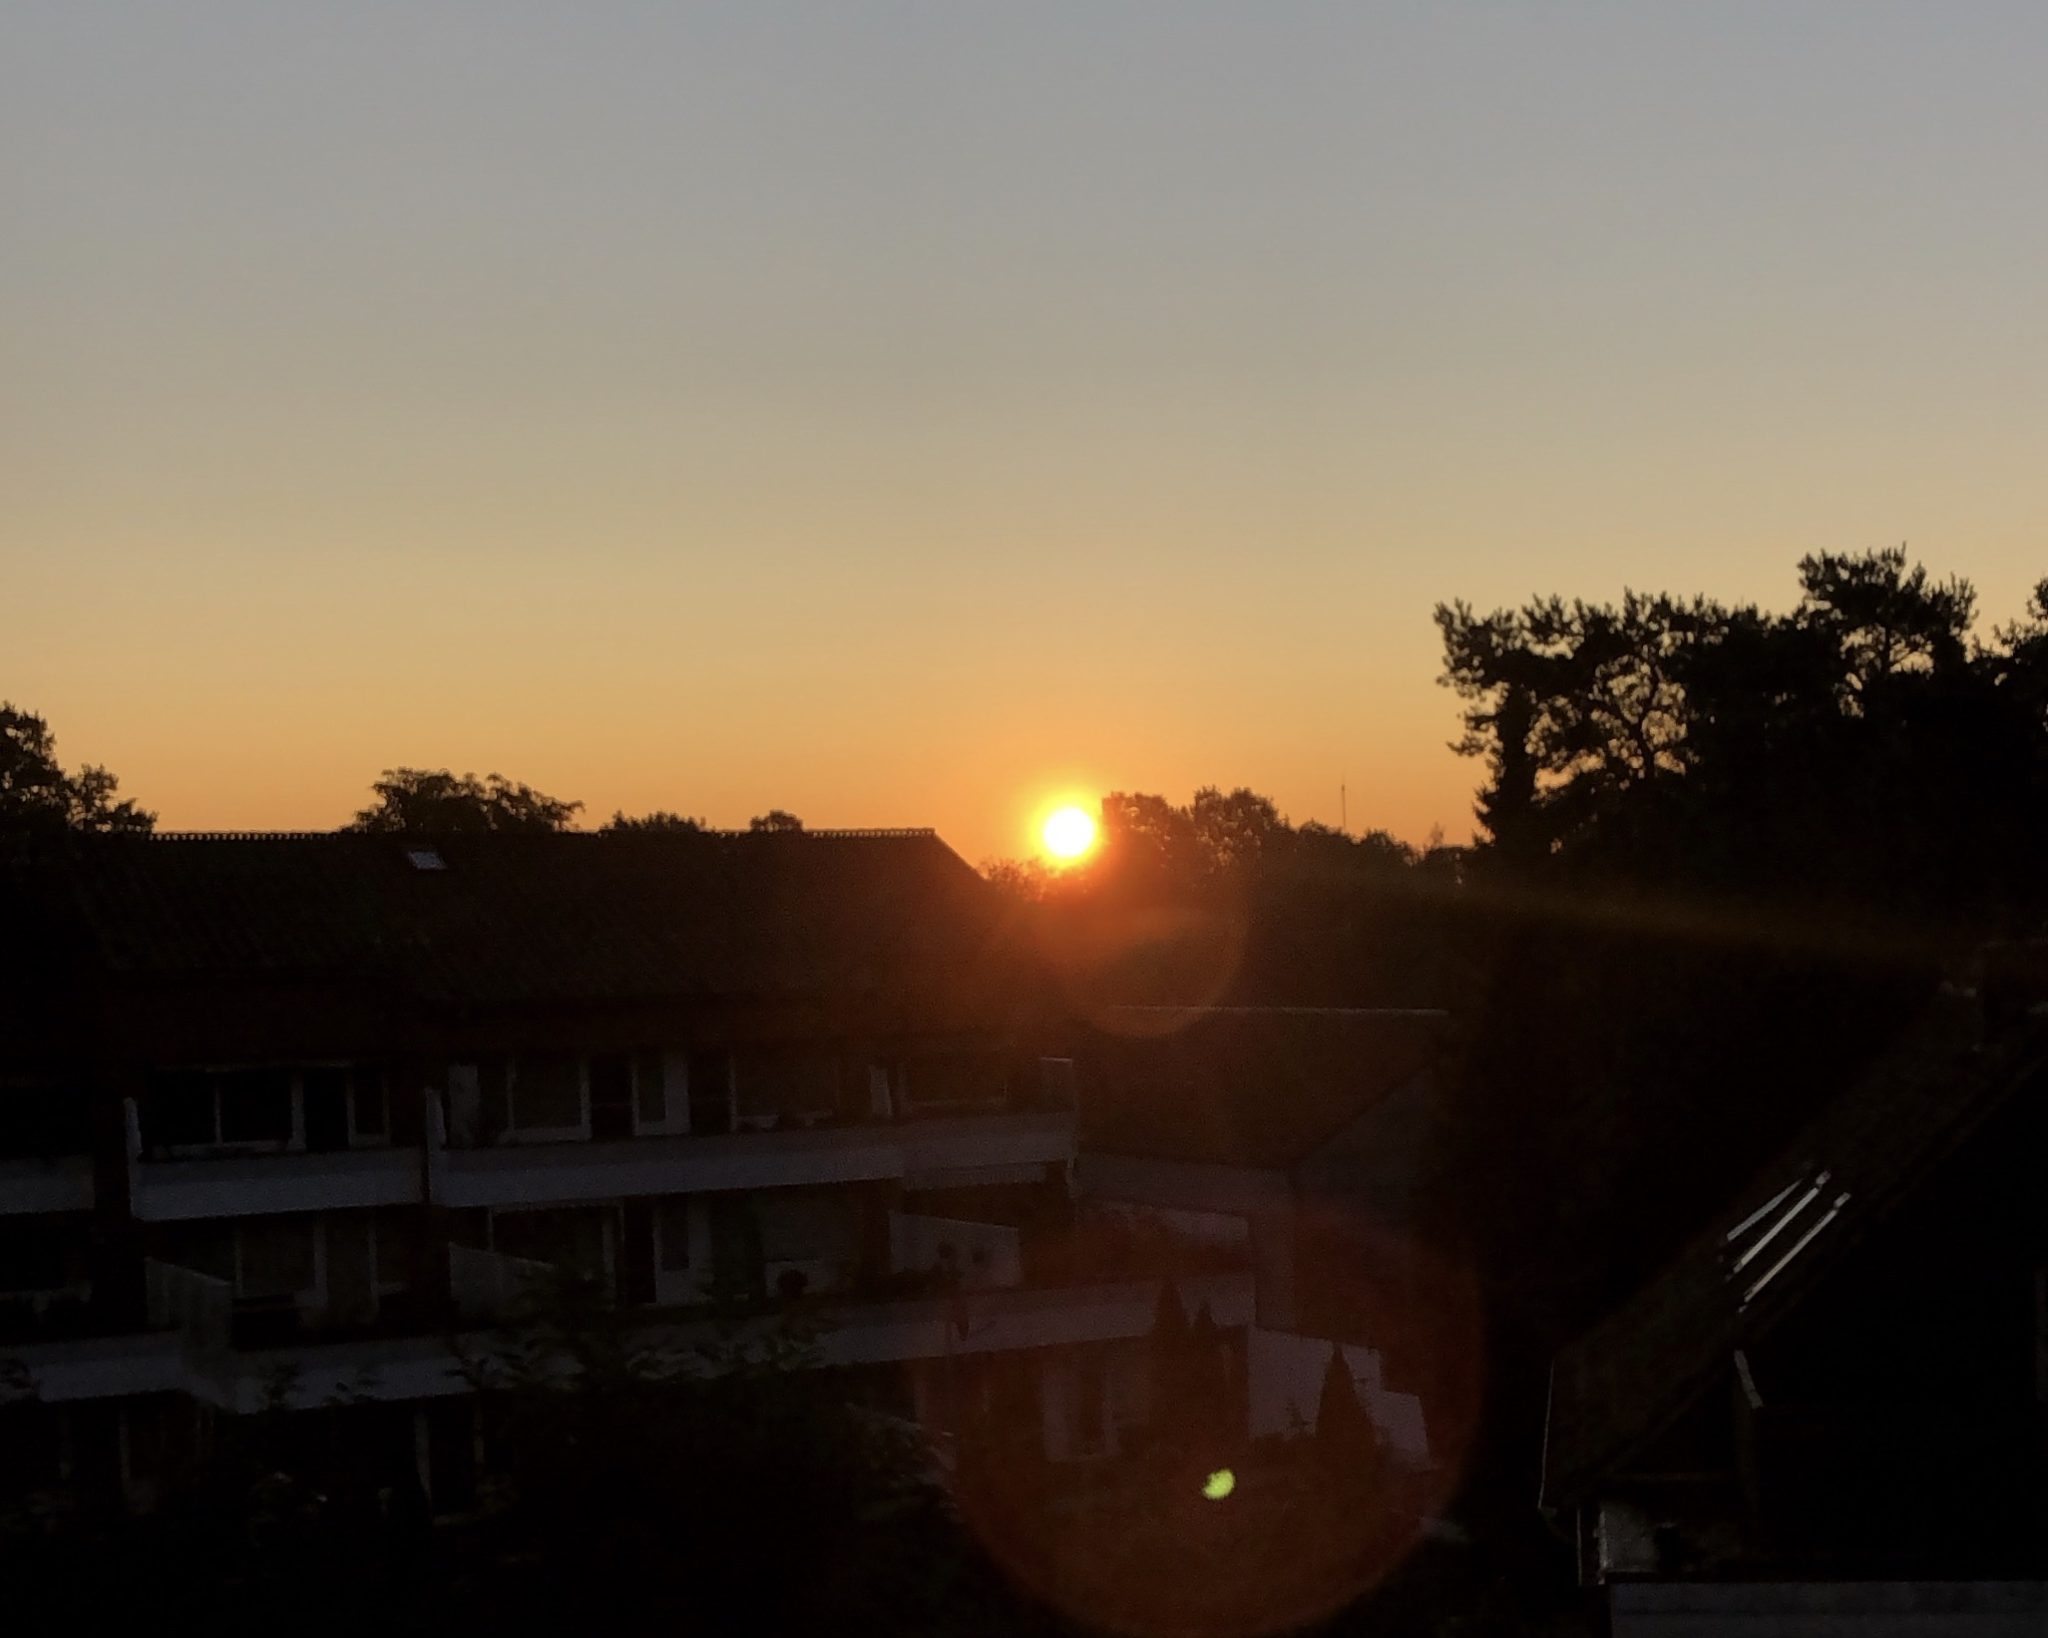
[[985, 1254], [1286, 1380]]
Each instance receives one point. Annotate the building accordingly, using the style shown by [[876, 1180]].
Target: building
[[1294, 1138], [296, 1121], [1829, 1414]]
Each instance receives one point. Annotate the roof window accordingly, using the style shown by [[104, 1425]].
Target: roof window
[[1767, 1228], [425, 858]]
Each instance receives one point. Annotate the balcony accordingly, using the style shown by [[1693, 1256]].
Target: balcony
[[186, 1327], [59, 1183], [838, 1333], [101, 1367], [168, 1191], [973, 1148], [995, 1321]]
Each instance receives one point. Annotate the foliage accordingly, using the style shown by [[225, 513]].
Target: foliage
[[436, 802], [1726, 851], [1222, 899], [38, 798], [774, 820], [659, 820]]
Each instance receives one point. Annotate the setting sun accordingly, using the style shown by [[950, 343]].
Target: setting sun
[[1068, 832]]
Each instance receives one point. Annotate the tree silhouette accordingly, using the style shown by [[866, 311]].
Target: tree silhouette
[[1346, 1443], [435, 801], [775, 820], [659, 820], [37, 797]]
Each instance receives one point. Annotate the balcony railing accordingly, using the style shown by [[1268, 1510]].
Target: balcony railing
[[546, 1174], [828, 1331], [486, 1285], [52, 1183], [166, 1191]]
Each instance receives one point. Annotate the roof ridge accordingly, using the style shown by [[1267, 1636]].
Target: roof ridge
[[877, 833]]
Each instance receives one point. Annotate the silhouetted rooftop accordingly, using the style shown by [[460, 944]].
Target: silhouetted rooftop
[[1260, 1087], [1632, 1375], [508, 917]]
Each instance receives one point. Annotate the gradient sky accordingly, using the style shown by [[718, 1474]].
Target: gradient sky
[[895, 412]]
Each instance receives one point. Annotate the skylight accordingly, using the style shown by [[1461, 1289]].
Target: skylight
[[1783, 1220], [1799, 1245], [425, 858]]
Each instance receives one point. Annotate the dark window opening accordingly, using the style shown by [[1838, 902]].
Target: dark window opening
[[674, 1214], [650, 1089], [37, 1252], [178, 1113], [611, 1097], [41, 1121], [547, 1093], [568, 1238], [710, 1090], [372, 1102], [256, 1106], [737, 1266], [31, 1448], [326, 1103]]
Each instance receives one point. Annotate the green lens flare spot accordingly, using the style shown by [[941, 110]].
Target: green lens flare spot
[[1219, 1484]]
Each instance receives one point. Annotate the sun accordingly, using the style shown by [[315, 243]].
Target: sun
[[1068, 833]]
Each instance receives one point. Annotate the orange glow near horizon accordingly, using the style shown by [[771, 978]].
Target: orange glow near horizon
[[885, 464]]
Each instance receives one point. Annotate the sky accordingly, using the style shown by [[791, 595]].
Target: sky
[[896, 413]]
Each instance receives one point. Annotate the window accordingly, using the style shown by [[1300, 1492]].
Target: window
[[37, 1251], [36, 1121], [31, 1448], [547, 1093], [369, 1104], [571, 1238], [786, 1086], [710, 1071], [394, 1230], [207, 1108], [650, 1089], [956, 1081], [674, 1227], [425, 858], [276, 1257], [802, 1225], [610, 1078], [180, 1111], [256, 1106], [736, 1262]]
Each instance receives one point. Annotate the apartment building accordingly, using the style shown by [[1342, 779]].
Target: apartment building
[[1292, 1137], [294, 1121]]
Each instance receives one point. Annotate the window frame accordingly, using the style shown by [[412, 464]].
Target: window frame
[[673, 1069], [516, 1133], [357, 1137], [220, 1147], [732, 1098]]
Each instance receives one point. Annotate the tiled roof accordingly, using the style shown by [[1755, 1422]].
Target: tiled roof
[[1259, 1087], [1637, 1371], [505, 918]]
